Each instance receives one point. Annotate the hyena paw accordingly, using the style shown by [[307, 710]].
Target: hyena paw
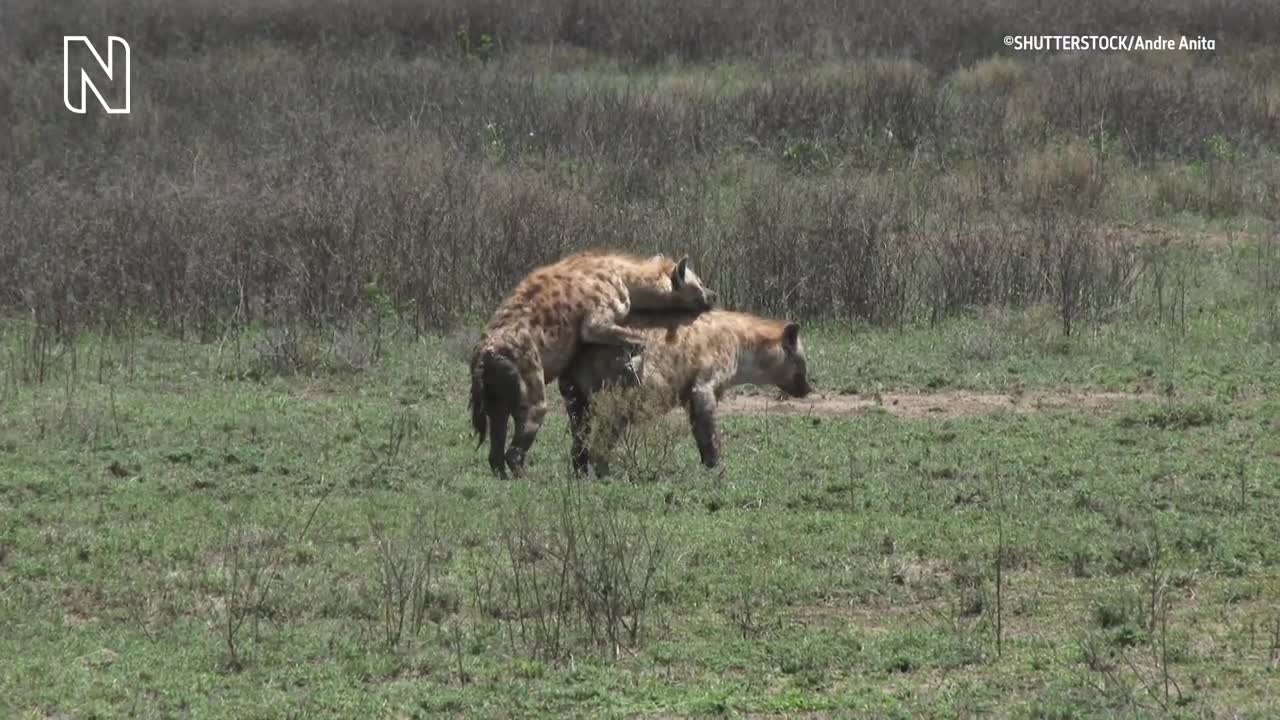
[[515, 461]]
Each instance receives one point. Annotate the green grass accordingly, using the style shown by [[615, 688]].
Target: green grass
[[835, 566]]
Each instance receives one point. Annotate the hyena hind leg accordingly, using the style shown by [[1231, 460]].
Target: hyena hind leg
[[528, 420], [498, 443]]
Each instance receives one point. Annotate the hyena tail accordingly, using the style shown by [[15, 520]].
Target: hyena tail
[[495, 391]]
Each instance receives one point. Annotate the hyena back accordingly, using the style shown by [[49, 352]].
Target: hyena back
[[691, 360], [538, 329]]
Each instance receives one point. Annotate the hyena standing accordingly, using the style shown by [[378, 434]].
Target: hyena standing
[[539, 328], [691, 360]]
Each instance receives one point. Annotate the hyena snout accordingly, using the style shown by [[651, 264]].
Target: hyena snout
[[693, 293], [699, 298], [798, 388]]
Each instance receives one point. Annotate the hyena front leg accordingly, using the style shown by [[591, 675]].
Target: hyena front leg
[[528, 419], [602, 328], [702, 416], [577, 400]]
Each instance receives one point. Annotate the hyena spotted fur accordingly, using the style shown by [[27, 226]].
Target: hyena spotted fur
[[538, 330], [690, 359]]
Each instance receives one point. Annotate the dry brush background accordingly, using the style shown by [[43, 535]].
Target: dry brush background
[[298, 161]]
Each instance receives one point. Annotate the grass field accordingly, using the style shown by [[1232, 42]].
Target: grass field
[[189, 530]]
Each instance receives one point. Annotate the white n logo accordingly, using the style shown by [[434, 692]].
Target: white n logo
[[86, 85]]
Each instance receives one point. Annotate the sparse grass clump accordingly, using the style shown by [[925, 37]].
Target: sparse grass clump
[[1174, 416]]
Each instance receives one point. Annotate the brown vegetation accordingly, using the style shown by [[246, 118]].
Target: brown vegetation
[[289, 162]]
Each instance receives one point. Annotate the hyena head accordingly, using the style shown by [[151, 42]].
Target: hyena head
[[688, 289], [782, 361]]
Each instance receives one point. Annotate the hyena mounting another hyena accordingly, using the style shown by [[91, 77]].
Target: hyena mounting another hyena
[[538, 330], [691, 360]]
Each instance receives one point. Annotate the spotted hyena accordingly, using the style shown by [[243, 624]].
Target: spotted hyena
[[690, 359], [538, 330]]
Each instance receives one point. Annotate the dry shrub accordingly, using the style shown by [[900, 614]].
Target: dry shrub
[[1158, 112], [1268, 101], [1027, 112], [822, 247], [582, 571], [937, 32], [631, 432], [897, 100], [1068, 176], [1216, 185], [250, 584], [982, 119], [999, 333], [347, 348], [412, 558], [1061, 261], [1175, 61], [994, 76], [972, 270], [1266, 281], [288, 153], [90, 419], [1178, 189]]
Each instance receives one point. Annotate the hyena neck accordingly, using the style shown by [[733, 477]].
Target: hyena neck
[[751, 368], [648, 283]]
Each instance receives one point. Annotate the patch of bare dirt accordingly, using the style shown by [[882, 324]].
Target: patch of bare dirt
[[924, 405]]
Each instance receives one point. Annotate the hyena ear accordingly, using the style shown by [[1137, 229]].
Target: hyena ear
[[677, 277], [791, 337]]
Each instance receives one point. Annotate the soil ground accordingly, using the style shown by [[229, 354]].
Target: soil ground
[[922, 405]]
